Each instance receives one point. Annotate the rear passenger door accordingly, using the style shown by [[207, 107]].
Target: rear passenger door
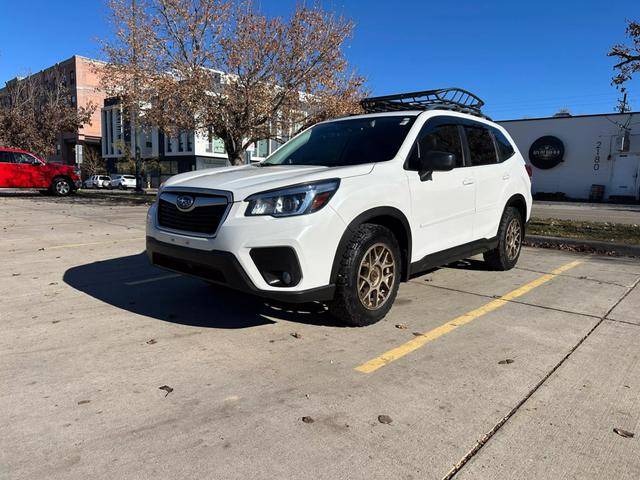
[[7, 169], [442, 205], [488, 174]]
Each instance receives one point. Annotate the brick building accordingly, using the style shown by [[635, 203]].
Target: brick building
[[82, 76]]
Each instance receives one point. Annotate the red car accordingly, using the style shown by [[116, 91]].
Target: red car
[[22, 169]]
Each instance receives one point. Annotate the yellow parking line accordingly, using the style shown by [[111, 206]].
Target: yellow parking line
[[75, 245], [399, 352]]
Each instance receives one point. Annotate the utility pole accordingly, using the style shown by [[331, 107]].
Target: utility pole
[[623, 106], [135, 100]]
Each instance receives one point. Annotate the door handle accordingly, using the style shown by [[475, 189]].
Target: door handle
[[468, 181], [506, 176]]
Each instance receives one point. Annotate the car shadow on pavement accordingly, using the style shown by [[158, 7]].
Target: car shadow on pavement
[[470, 264], [131, 283]]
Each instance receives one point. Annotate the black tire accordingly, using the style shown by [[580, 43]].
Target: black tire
[[61, 187], [347, 304], [505, 255]]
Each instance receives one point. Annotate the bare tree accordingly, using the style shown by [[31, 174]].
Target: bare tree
[[92, 163], [36, 110], [223, 65], [628, 55]]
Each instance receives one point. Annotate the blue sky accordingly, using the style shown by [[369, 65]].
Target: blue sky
[[523, 58]]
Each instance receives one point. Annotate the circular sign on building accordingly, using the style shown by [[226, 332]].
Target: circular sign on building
[[546, 152]]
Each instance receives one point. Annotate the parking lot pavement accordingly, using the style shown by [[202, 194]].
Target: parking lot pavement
[[520, 374]]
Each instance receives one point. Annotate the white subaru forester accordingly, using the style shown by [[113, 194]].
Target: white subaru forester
[[349, 208]]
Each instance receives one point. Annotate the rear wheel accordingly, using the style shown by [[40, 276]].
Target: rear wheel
[[61, 187], [369, 275], [510, 235]]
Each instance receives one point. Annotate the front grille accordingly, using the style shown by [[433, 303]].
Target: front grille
[[203, 219]]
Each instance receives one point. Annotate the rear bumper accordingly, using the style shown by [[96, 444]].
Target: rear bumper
[[223, 268]]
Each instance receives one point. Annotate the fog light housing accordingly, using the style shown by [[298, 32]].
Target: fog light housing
[[279, 266]]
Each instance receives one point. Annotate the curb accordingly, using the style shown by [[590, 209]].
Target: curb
[[581, 245]]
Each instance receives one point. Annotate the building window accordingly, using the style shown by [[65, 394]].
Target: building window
[[72, 77], [168, 167], [218, 146], [180, 143], [189, 141], [262, 148]]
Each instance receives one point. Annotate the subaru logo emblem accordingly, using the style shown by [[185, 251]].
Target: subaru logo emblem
[[185, 202]]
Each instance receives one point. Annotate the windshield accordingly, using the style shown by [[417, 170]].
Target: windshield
[[345, 142]]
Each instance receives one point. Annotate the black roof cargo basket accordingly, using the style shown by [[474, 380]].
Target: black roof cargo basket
[[455, 99]]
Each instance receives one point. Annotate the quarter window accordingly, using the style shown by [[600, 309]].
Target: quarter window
[[481, 147], [442, 138], [505, 149]]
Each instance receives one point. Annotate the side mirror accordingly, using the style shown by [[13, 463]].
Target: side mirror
[[436, 161]]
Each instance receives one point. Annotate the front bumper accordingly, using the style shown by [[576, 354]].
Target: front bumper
[[312, 240], [223, 268]]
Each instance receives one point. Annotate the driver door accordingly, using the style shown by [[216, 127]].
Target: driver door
[[443, 204], [30, 171]]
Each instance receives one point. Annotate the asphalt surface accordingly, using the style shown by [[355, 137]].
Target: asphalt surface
[[588, 212], [483, 375]]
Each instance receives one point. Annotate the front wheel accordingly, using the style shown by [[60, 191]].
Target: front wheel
[[369, 275], [510, 236], [61, 187]]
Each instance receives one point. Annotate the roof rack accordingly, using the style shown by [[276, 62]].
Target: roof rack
[[455, 99]]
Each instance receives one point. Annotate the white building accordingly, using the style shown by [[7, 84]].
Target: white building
[[182, 153], [581, 155]]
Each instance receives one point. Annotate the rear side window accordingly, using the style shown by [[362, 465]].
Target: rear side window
[[6, 157], [441, 138], [505, 149], [481, 148]]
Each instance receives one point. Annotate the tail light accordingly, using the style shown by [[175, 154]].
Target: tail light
[[529, 170]]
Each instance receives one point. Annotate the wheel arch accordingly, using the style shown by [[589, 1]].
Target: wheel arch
[[389, 217], [520, 203]]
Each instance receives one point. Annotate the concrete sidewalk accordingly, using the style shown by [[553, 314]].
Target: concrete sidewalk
[[587, 212]]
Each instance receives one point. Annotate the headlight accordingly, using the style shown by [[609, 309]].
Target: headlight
[[295, 200]]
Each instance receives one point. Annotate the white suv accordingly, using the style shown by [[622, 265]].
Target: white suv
[[123, 181], [349, 208]]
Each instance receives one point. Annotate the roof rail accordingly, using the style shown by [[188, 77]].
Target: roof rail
[[455, 99]]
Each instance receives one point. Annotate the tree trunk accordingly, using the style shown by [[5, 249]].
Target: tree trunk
[[235, 152]]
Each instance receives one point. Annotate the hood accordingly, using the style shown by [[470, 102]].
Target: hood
[[246, 180], [60, 168]]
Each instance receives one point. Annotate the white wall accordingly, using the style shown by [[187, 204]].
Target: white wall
[[581, 136]]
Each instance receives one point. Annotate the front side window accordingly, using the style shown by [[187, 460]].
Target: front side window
[[481, 148], [24, 158], [345, 142], [441, 138], [505, 149]]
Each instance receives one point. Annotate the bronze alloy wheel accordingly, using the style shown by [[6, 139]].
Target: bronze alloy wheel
[[376, 276], [513, 239]]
